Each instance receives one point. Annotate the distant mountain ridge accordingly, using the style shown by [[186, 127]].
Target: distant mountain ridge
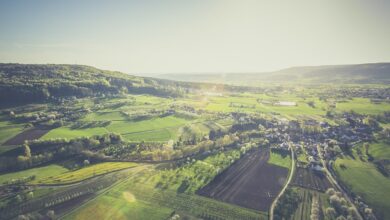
[[371, 73]]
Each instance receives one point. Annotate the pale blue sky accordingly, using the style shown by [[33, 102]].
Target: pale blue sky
[[164, 36]]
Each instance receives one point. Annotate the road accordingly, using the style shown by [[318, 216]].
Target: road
[[271, 212], [335, 183]]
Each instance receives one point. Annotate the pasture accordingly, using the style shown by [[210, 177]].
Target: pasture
[[365, 180], [380, 151], [280, 159], [124, 206], [363, 106], [9, 130]]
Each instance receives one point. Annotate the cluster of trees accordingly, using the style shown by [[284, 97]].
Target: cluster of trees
[[287, 204], [157, 151], [55, 117], [340, 208], [37, 152]]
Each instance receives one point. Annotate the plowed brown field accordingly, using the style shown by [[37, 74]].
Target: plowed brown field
[[251, 182]]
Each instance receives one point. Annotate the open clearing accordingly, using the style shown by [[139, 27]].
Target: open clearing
[[251, 182]]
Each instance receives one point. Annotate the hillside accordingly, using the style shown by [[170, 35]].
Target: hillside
[[357, 73], [23, 83]]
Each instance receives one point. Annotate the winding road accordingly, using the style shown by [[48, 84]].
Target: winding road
[[271, 211]]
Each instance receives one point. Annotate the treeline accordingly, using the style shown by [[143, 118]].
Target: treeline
[[38, 152], [21, 83]]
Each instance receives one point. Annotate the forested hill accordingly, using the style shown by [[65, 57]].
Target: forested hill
[[373, 73], [22, 83]]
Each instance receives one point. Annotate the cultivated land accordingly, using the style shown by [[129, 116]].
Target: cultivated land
[[240, 183], [95, 144]]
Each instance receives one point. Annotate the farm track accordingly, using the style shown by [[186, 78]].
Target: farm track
[[251, 182], [272, 208]]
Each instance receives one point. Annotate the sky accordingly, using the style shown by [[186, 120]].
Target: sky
[[194, 36]]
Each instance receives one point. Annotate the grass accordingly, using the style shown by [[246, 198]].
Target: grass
[[9, 130], [363, 106], [164, 134], [250, 104], [39, 173], [120, 207], [127, 127], [104, 116], [280, 160], [67, 132], [380, 151], [84, 173], [365, 180]]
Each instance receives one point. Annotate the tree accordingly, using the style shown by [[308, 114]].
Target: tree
[[30, 195], [27, 150], [86, 162], [366, 147], [51, 214], [331, 212]]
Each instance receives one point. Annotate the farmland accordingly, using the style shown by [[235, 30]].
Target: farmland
[[310, 179], [239, 184], [364, 179], [84, 173], [39, 173], [158, 150]]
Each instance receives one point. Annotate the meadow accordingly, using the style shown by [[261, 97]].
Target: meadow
[[8, 129], [363, 178], [282, 160], [363, 106]]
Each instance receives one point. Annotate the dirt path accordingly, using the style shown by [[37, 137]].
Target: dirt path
[[271, 212]]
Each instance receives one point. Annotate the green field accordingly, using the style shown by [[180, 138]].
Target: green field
[[380, 151], [39, 173], [123, 207], [280, 160], [104, 116], [365, 180], [8, 130], [84, 173], [67, 132], [363, 106]]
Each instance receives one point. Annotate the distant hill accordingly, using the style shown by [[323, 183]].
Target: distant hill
[[356, 73], [24, 83], [31, 83]]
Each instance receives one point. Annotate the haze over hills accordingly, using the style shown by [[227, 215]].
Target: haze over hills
[[371, 73]]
